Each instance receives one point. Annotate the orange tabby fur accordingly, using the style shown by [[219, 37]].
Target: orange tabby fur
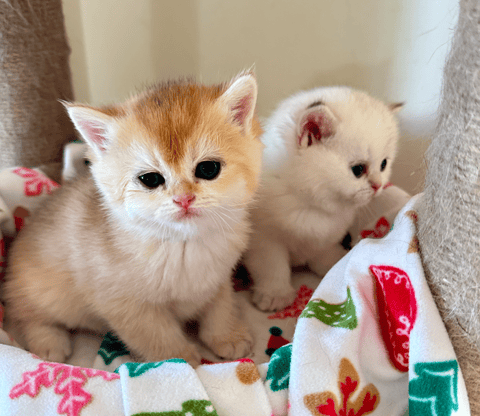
[[107, 253]]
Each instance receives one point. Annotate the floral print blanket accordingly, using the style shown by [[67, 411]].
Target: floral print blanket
[[368, 339]]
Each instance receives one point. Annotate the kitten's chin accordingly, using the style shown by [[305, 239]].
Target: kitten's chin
[[182, 230], [173, 231], [363, 197]]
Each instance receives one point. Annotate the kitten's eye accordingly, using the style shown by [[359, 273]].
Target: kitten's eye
[[207, 170], [383, 165], [359, 170], [152, 180]]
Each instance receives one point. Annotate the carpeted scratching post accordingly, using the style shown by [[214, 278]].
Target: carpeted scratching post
[[34, 75], [449, 216]]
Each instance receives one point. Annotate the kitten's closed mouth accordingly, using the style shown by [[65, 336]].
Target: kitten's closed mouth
[[185, 214]]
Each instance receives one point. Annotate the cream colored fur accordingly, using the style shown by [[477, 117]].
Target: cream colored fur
[[107, 253], [309, 195]]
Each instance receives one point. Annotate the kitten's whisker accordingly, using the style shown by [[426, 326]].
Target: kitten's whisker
[[218, 214], [231, 211], [226, 223], [215, 204], [210, 214]]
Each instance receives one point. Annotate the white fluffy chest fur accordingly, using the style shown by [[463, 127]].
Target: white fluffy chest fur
[[164, 272], [304, 228], [184, 271]]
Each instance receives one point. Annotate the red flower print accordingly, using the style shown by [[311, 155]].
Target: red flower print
[[68, 382], [35, 182], [381, 229], [328, 408], [327, 403]]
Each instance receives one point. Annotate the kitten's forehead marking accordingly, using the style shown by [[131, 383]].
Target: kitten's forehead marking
[[173, 114]]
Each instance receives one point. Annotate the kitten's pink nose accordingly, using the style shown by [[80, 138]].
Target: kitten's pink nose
[[184, 200], [375, 186]]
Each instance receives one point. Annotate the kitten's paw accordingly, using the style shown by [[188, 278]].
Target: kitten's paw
[[185, 351], [273, 301], [191, 355], [50, 344], [236, 344]]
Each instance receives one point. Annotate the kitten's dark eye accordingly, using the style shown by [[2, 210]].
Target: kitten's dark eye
[[383, 165], [359, 170], [207, 170], [152, 180]]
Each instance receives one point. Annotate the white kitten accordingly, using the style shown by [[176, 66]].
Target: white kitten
[[328, 151]]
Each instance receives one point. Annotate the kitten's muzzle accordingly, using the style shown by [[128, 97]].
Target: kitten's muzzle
[[184, 201], [375, 186], [375, 181]]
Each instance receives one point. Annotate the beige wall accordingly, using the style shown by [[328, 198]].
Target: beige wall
[[394, 49]]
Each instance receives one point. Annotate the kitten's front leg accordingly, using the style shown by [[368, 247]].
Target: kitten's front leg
[[268, 262], [151, 332], [47, 340], [221, 329], [326, 259]]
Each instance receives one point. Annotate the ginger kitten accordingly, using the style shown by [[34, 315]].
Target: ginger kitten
[[149, 237], [328, 151]]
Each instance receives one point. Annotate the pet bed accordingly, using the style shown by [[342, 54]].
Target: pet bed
[[326, 369], [359, 341]]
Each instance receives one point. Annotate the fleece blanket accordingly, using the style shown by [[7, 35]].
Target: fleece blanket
[[367, 340]]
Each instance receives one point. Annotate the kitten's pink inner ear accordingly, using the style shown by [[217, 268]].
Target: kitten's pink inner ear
[[240, 99], [242, 108], [94, 133], [315, 126], [93, 125]]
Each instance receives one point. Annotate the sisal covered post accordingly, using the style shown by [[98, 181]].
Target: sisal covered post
[[449, 215], [34, 75]]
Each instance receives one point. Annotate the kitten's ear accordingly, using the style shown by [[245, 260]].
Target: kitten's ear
[[315, 125], [240, 99], [396, 107], [93, 125]]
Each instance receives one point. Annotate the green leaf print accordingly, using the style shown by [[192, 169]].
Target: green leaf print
[[189, 408], [137, 369], [279, 368], [111, 348], [341, 316]]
